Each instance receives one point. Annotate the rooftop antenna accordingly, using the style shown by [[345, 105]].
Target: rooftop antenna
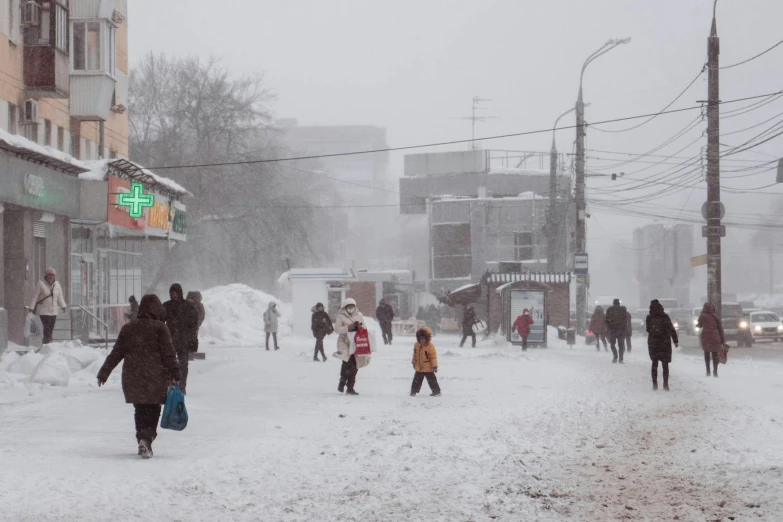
[[473, 119]]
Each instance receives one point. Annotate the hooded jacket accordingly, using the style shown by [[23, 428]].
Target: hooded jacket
[[384, 313], [522, 324], [616, 318], [468, 320], [343, 322], [271, 323], [712, 336], [425, 356], [598, 321], [195, 298], [150, 360], [182, 319], [321, 323], [660, 333]]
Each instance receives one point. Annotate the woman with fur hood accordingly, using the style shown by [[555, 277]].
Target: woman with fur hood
[[425, 362], [349, 321]]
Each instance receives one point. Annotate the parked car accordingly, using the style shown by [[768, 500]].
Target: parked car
[[639, 318], [680, 318], [736, 326], [693, 323], [765, 325]]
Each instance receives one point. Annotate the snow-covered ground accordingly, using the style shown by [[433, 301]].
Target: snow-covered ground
[[555, 434]]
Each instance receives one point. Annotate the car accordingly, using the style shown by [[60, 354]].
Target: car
[[680, 317], [765, 325], [692, 327], [639, 321], [735, 325]]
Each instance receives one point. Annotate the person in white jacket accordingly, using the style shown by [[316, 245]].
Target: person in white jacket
[[349, 320], [48, 297]]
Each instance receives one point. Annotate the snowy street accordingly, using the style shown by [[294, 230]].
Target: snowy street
[[556, 434]]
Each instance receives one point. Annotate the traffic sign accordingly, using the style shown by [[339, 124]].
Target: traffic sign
[[707, 231], [580, 263]]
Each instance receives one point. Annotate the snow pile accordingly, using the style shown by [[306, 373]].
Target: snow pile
[[52, 370], [234, 313], [54, 364], [26, 364]]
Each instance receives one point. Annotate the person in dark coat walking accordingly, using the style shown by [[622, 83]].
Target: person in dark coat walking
[[195, 299], [616, 320], [321, 325], [150, 367], [385, 315], [660, 334], [598, 327], [133, 313], [182, 319], [712, 336], [628, 331], [468, 320]]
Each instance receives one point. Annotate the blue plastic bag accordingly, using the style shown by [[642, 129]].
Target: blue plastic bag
[[175, 415]]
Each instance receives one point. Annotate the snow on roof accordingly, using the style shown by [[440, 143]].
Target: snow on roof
[[525, 196], [58, 158], [320, 273], [98, 170], [524, 172]]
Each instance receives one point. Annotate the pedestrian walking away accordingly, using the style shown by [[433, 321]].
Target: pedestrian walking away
[[321, 325], [47, 300], [182, 320], [616, 321], [271, 324], [349, 321], [522, 326], [468, 320], [425, 363], [598, 327], [133, 311], [150, 366], [385, 315], [195, 299], [712, 337], [660, 334], [628, 331]]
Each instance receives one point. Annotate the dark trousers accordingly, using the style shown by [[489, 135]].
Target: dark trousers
[[386, 328], [48, 322], [654, 371], [465, 336], [628, 343], [348, 372], [418, 379], [274, 335], [183, 371], [614, 340], [714, 361], [319, 347], [146, 417], [598, 339]]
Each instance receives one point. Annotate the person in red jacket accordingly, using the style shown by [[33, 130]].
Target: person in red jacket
[[522, 326]]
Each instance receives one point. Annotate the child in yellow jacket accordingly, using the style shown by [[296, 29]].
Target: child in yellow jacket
[[425, 362]]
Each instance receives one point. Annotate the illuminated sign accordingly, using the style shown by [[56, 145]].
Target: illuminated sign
[[33, 185], [158, 216], [136, 200]]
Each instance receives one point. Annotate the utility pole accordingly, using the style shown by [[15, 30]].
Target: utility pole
[[581, 213], [552, 219], [714, 230]]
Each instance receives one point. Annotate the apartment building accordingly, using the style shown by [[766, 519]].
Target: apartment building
[[64, 163]]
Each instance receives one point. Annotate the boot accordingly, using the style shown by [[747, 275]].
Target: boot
[[435, 394], [341, 386], [708, 371], [413, 394], [715, 371], [655, 379], [666, 382], [145, 449], [351, 391]]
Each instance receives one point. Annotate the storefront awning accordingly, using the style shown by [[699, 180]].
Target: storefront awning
[[462, 296], [31, 151]]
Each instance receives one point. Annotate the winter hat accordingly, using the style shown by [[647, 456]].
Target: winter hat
[[51, 271], [151, 308], [319, 304], [348, 302], [656, 307], [616, 302], [525, 311], [425, 333]]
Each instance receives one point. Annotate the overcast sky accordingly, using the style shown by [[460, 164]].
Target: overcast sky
[[413, 65]]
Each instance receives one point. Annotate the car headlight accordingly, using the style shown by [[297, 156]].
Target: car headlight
[[676, 324], [743, 324], [757, 328], [780, 328], [696, 322]]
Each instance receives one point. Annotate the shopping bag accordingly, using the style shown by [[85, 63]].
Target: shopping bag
[[175, 415], [33, 326], [724, 354], [479, 327], [361, 347]]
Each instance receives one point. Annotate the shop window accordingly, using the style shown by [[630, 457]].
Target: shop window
[[93, 47]]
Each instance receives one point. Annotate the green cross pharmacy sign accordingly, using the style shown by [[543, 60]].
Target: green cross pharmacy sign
[[136, 200]]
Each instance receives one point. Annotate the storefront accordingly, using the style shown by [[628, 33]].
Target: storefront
[[39, 195]]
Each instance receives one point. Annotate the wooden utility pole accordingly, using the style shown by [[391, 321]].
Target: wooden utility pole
[[714, 231]]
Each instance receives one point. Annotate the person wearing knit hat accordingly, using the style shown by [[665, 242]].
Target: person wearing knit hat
[[46, 300]]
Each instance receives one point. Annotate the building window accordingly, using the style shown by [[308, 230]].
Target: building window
[[61, 25], [93, 47], [60, 139], [12, 114], [52, 26], [47, 141], [31, 132]]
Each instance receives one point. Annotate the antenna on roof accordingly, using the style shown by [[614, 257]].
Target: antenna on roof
[[473, 119]]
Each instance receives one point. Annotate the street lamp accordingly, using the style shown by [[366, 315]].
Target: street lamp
[[581, 246]]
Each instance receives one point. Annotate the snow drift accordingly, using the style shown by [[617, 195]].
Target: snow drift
[[54, 364], [235, 315]]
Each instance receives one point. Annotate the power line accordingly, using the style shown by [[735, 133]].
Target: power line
[[443, 143], [752, 58]]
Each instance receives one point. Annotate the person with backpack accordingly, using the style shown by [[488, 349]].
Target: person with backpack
[[47, 299], [271, 324], [349, 321], [616, 320], [660, 334], [598, 327], [712, 336], [468, 320], [425, 363], [385, 315], [522, 326], [150, 367], [321, 325]]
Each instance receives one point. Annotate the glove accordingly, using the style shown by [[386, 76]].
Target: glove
[[352, 327], [435, 370]]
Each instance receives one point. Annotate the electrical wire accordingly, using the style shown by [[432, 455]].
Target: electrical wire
[[753, 57]]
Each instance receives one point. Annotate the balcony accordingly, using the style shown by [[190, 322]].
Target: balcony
[[46, 72], [92, 68]]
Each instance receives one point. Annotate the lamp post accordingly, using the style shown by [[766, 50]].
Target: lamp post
[[581, 246]]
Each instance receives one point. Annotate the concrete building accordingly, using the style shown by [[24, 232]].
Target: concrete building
[[663, 268], [63, 150]]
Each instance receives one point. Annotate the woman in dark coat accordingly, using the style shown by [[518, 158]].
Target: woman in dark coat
[[712, 337], [321, 325], [468, 320], [598, 327], [150, 367], [660, 334]]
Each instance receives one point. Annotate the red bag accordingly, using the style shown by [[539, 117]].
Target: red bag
[[724, 354], [362, 342]]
